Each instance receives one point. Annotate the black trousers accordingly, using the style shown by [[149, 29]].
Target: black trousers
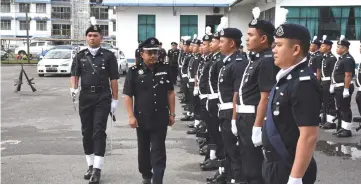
[[328, 102], [197, 108], [174, 73], [278, 173], [344, 112], [358, 101], [184, 89], [94, 110], [191, 102], [232, 152], [152, 153], [213, 128], [252, 156]]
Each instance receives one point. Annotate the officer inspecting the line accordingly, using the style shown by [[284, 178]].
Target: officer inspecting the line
[[229, 80], [315, 55], [325, 71], [290, 131], [252, 98], [342, 75], [97, 68], [149, 83], [173, 55]]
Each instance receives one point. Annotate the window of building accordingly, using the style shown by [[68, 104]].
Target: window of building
[[146, 27], [33, 44], [99, 13], [24, 25], [24, 7], [330, 21], [269, 15], [61, 12], [41, 8], [188, 25], [41, 25], [5, 7], [105, 30], [114, 26], [61, 29], [5, 25]]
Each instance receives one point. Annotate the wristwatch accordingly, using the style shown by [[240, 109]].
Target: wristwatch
[[172, 114]]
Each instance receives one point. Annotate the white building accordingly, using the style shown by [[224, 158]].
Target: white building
[[168, 20]]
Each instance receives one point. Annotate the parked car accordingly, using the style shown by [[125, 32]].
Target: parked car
[[57, 61], [122, 63], [107, 46], [43, 53], [34, 47]]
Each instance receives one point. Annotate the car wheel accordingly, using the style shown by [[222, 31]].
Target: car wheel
[[41, 75]]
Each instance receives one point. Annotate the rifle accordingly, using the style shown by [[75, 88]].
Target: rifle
[[19, 82]]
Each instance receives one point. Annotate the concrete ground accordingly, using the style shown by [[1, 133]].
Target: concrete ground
[[41, 141]]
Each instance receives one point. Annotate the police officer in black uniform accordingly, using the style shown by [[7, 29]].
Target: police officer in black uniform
[[154, 99], [179, 61], [229, 81], [325, 69], [252, 97], [137, 56], [343, 73], [98, 70], [162, 54], [187, 56], [173, 55], [315, 56], [290, 131]]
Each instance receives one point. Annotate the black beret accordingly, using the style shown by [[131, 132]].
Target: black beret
[[92, 28], [328, 42], [266, 26], [150, 44], [232, 33], [196, 41], [344, 42], [317, 42], [207, 37], [216, 35], [292, 31], [173, 43], [187, 42]]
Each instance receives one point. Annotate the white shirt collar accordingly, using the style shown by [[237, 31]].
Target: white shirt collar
[[283, 72], [93, 51]]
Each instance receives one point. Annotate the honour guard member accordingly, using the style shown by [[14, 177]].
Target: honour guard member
[[212, 104], [137, 57], [343, 88], [290, 131], [98, 70], [179, 61], [162, 54], [252, 98], [173, 55], [315, 55], [229, 81], [325, 71], [187, 56], [149, 83]]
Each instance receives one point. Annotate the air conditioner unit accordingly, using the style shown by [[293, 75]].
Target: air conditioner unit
[[216, 10]]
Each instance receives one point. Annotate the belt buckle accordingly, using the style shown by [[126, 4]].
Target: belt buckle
[[92, 88]]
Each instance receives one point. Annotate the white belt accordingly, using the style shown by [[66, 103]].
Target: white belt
[[246, 109], [191, 80], [213, 96], [202, 96], [338, 84], [180, 66], [326, 78], [359, 89], [184, 76], [225, 106]]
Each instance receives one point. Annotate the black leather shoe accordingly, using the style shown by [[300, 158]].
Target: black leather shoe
[[344, 133], [192, 131], [329, 125], [191, 125], [220, 179], [210, 166], [147, 181], [204, 162], [187, 118], [210, 179], [88, 173], [95, 178]]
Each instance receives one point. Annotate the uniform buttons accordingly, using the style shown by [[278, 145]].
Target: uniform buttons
[[93, 57], [153, 80], [281, 94], [155, 102], [155, 110], [155, 94], [277, 88], [277, 103]]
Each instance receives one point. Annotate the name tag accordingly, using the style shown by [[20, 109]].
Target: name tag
[[83, 60], [160, 73]]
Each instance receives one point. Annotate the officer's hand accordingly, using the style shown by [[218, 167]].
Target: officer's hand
[[133, 123], [114, 105], [292, 180], [73, 92], [195, 92], [171, 120], [234, 127], [345, 93], [332, 89], [257, 136]]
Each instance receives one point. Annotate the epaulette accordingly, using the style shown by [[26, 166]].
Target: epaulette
[[304, 76]]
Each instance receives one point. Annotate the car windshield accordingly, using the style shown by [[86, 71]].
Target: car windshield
[[106, 46], [57, 54]]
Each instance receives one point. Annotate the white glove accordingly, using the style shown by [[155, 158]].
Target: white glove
[[292, 180], [234, 127], [257, 136], [73, 92], [113, 106], [195, 92], [332, 88], [345, 93]]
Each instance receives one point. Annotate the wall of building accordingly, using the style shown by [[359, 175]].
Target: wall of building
[[167, 25]]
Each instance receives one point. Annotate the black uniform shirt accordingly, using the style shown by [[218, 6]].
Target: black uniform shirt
[[315, 60], [173, 57], [296, 103], [180, 58], [193, 66], [104, 62], [230, 76], [149, 89], [186, 59], [137, 55], [345, 63], [260, 76], [216, 66], [327, 64], [204, 75], [358, 76]]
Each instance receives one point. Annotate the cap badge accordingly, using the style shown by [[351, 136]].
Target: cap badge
[[254, 22], [141, 72], [152, 42], [206, 37], [95, 28], [279, 31]]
